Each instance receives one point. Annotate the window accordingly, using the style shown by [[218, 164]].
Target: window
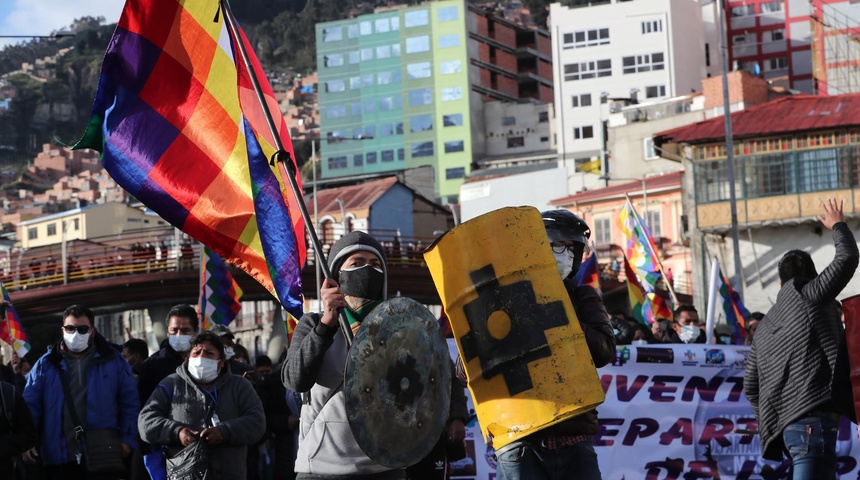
[[642, 63], [77, 224], [336, 163], [354, 83], [398, 128], [383, 78], [401, 154], [507, 121], [352, 31], [415, 71], [585, 70], [586, 38], [52, 229], [383, 52], [333, 60], [335, 111], [364, 28], [382, 25], [358, 160], [368, 106], [420, 123], [395, 50], [332, 34], [422, 149], [743, 10], [370, 157], [369, 131], [583, 100], [367, 80], [451, 93], [543, 117], [355, 108], [602, 231], [395, 23], [366, 54], [515, 142], [818, 170], [390, 103], [454, 146], [770, 7], [455, 173], [652, 26], [418, 44], [452, 120], [386, 130], [774, 35], [739, 39], [387, 155], [655, 91], [583, 132], [448, 41], [447, 14], [779, 63], [649, 152], [416, 18], [447, 68], [421, 96], [652, 221], [354, 57], [544, 139], [32, 233]]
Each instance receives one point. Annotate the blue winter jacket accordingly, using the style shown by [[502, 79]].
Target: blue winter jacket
[[112, 400]]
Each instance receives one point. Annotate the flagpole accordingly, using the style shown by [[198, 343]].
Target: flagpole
[[712, 301], [283, 159], [656, 257]]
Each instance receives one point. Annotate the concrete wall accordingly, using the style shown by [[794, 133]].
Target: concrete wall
[[527, 125], [535, 188]]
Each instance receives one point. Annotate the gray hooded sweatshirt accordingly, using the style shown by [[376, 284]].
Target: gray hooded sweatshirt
[[178, 402]]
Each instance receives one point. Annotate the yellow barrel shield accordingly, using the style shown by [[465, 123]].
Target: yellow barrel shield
[[525, 354]]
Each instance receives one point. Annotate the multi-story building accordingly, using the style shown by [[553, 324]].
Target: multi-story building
[[632, 50], [403, 88]]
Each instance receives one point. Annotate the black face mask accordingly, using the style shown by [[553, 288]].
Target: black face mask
[[363, 282]]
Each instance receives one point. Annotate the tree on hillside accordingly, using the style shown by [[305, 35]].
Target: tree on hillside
[[23, 107]]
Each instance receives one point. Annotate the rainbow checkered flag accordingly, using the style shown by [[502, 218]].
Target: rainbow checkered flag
[[641, 251], [11, 330], [180, 128], [733, 306], [220, 295], [587, 273]]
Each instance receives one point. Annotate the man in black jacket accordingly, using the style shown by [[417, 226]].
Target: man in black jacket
[[565, 450], [797, 371], [17, 432]]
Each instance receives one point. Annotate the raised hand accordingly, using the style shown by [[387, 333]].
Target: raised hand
[[832, 213]]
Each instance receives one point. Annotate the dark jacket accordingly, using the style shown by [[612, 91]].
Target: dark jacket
[[182, 403], [17, 433], [112, 400], [155, 368], [600, 338], [798, 361]]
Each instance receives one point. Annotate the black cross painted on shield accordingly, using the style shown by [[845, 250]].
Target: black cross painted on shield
[[526, 341]]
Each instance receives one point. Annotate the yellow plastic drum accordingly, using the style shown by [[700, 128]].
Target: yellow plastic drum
[[525, 354]]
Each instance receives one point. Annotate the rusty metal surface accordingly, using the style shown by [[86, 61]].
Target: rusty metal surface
[[397, 383]]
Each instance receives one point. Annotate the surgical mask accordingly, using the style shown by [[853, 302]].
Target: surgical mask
[[639, 342], [564, 262], [180, 343], [76, 342], [228, 353], [688, 333], [203, 370], [364, 282], [726, 340]]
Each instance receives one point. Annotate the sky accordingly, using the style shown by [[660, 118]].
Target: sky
[[41, 17]]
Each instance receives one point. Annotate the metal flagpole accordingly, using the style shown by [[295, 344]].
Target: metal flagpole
[[284, 161]]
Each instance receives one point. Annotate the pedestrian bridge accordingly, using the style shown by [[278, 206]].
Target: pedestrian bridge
[[160, 266]]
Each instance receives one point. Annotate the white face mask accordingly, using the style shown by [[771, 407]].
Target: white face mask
[[639, 342], [204, 370], [228, 353], [688, 333], [564, 262], [180, 343], [726, 340], [76, 342]]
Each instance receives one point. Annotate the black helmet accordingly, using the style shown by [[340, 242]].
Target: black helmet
[[563, 225]]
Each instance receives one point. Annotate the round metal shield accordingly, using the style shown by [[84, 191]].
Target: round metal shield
[[397, 383]]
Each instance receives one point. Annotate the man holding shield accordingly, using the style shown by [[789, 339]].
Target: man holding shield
[[564, 450], [316, 360]]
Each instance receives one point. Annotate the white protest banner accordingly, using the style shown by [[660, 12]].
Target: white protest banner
[[671, 413]]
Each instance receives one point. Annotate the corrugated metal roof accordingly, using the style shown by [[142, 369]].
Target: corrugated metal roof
[[353, 196], [652, 184], [790, 114]]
